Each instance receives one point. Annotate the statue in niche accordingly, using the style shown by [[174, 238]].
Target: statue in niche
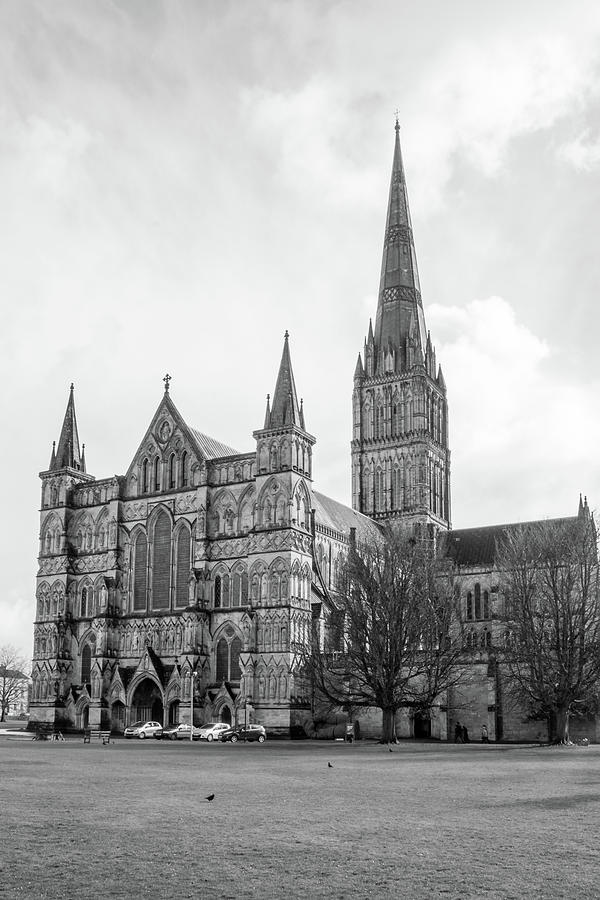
[[192, 589]]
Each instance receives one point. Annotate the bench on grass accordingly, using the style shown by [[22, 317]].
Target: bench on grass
[[46, 731], [89, 733]]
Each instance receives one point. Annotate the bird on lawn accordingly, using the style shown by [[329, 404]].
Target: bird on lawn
[[329, 766], [210, 798]]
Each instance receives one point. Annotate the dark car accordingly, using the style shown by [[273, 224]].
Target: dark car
[[244, 733]]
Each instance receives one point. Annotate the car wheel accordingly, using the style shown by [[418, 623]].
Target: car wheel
[[261, 739], [173, 737], [142, 735], [234, 739], [209, 737]]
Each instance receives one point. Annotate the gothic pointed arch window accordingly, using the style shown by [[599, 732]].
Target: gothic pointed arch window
[[140, 571], [86, 666], [161, 561], [172, 471], [469, 609], [156, 474], [182, 562], [145, 476], [225, 590], [84, 602], [379, 492], [478, 601], [222, 657], [184, 469], [227, 656], [217, 591]]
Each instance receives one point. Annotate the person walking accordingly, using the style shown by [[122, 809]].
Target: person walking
[[458, 733]]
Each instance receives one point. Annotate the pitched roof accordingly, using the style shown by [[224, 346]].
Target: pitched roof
[[338, 517], [477, 546], [210, 447]]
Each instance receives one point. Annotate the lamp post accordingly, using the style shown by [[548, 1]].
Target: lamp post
[[194, 674]]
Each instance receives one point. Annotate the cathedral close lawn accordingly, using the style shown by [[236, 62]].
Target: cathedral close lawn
[[427, 820]]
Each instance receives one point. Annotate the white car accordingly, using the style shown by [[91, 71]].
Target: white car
[[212, 730], [143, 730]]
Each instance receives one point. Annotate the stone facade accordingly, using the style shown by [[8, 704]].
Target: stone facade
[[192, 584]]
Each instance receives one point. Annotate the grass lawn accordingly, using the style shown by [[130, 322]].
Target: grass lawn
[[425, 821]]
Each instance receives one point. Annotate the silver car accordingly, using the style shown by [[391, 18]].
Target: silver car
[[212, 730], [143, 730]]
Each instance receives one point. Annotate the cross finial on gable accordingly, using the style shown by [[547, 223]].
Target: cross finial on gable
[[167, 381]]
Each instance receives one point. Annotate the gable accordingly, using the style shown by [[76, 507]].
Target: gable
[[170, 440]]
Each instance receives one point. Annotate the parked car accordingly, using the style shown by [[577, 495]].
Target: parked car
[[212, 730], [244, 733], [178, 732], [143, 730]]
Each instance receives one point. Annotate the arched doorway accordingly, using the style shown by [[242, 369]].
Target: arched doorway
[[225, 715], [422, 723], [85, 716], [147, 702], [174, 712], [117, 717]]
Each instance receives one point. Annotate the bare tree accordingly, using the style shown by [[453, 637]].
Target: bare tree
[[13, 678], [549, 575], [396, 630]]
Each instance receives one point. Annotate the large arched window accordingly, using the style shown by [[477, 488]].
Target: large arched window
[[217, 591], [86, 666], [228, 659], [222, 660], [140, 571], [183, 567], [478, 601], [161, 561]]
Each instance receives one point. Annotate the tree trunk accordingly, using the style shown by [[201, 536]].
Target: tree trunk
[[561, 726], [389, 726]]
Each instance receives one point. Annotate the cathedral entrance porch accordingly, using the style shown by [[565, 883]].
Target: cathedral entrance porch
[[147, 702]]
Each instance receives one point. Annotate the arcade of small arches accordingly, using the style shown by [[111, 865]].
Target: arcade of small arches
[[51, 601], [392, 412], [164, 473], [275, 455], [402, 484]]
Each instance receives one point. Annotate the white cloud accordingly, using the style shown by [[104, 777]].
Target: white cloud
[[583, 152], [523, 442]]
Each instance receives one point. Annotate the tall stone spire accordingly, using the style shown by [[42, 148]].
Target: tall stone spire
[[400, 455], [68, 454], [400, 309], [285, 409]]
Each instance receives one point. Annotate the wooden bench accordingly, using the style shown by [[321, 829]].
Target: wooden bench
[[46, 731], [103, 736]]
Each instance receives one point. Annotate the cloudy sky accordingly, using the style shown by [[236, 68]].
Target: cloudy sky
[[184, 180]]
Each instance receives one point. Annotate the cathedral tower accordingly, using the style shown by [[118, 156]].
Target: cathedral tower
[[400, 455]]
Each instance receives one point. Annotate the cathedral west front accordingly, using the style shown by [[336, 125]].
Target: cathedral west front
[[192, 584]]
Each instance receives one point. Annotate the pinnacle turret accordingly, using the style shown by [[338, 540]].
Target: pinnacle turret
[[68, 454], [285, 409]]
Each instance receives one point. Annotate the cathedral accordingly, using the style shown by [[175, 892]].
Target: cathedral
[[189, 587]]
